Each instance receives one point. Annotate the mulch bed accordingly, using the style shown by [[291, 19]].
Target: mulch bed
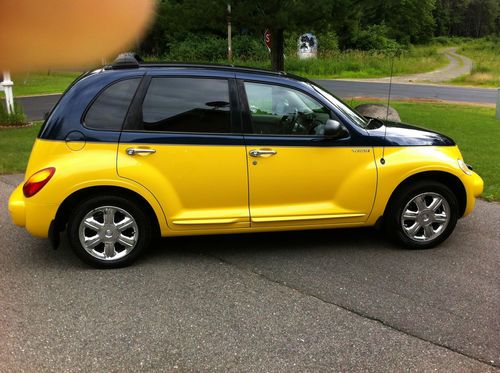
[[25, 125]]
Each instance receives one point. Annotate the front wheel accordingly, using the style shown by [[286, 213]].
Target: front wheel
[[422, 215], [109, 231]]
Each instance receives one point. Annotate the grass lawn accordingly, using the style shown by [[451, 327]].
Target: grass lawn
[[486, 66], [16, 146], [42, 83], [475, 129]]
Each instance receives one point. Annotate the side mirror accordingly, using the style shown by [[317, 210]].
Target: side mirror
[[335, 130], [46, 115]]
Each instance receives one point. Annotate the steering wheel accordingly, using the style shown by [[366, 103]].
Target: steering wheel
[[288, 121]]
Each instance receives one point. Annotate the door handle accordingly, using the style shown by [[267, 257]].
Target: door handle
[[133, 151], [262, 152]]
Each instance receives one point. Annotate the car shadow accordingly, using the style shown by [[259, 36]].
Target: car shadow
[[329, 242], [254, 244]]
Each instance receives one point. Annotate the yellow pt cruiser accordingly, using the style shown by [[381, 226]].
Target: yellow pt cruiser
[[134, 150]]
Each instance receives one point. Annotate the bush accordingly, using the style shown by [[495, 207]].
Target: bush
[[375, 38], [328, 44], [201, 48], [450, 40], [210, 48], [249, 47], [15, 118]]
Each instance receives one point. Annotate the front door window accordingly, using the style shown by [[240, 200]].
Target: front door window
[[277, 110]]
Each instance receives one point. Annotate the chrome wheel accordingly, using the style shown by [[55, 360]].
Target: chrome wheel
[[425, 217], [108, 233]]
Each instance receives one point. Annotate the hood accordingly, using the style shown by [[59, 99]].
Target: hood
[[401, 134]]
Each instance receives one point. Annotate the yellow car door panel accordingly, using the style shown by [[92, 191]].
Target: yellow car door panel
[[181, 145], [296, 175]]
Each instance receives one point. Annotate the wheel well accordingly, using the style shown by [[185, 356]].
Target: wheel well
[[71, 201], [451, 181]]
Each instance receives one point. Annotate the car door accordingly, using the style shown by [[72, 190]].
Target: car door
[[183, 142], [296, 176]]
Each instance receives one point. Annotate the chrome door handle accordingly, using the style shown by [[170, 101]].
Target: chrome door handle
[[133, 151], [262, 152]]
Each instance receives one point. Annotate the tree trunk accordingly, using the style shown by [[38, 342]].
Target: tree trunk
[[277, 50]]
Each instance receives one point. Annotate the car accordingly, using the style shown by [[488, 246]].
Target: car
[[134, 151]]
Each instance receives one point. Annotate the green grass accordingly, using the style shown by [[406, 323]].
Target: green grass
[[16, 146], [42, 83], [485, 54], [359, 64], [475, 130]]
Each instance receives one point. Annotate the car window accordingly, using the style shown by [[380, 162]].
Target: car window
[[281, 110], [187, 105], [108, 111], [357, 118]]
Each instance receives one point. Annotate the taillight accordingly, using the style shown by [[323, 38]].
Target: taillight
[[37, 181]]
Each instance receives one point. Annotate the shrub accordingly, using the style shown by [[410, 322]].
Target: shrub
[[201, 48], [249, 47], [328, 44], [15, 118], [375, 38]]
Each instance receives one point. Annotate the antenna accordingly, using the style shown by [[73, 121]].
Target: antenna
[[382, 160]]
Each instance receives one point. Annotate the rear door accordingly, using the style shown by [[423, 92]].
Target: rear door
[[182, 141]]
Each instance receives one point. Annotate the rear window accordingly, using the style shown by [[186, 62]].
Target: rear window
[[108, 111]]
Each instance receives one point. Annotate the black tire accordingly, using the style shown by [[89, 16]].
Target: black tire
[[141, 232], [394, 224]]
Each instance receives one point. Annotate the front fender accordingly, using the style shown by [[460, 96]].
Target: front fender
[[402, 163]]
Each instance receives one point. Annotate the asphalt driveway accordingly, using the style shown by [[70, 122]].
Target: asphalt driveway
[[304, 301]]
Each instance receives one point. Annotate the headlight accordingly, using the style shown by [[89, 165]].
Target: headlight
[[464, 167]]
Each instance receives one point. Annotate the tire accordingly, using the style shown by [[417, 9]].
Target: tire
[[109, 231], [426, 222]]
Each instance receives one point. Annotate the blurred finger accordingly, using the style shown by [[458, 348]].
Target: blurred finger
[[67, 33]]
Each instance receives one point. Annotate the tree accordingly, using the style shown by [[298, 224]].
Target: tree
[[482, 16], [409, 21], [278, 15]]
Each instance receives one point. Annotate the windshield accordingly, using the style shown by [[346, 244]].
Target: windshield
[[343, 108]]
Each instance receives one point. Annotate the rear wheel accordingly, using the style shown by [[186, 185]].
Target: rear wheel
[[422, 215], [109, 231]]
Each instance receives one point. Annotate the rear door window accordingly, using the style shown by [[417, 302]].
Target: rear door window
[[199, 105]]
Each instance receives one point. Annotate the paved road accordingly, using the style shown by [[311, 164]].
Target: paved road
[[36, 106], [348, 89], [342, 300]]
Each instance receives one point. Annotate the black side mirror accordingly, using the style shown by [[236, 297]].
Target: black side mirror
[[46, 115], [335, 130]]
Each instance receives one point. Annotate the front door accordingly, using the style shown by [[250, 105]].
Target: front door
[[181, 142], [296, 176]]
